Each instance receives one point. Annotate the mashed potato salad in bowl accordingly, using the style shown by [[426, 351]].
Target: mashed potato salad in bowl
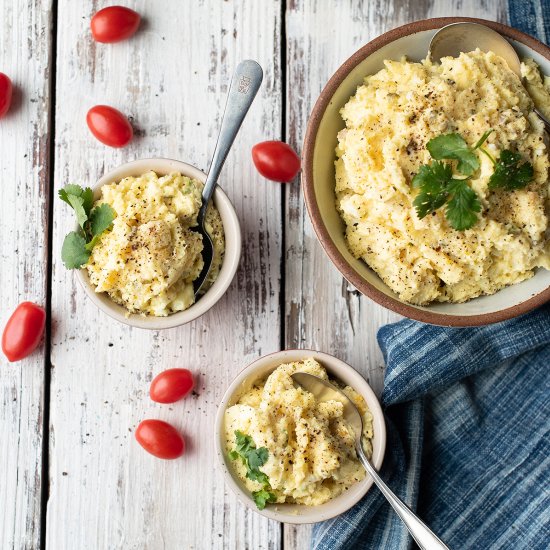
[[428, 183], [287, 454], [141, 268]]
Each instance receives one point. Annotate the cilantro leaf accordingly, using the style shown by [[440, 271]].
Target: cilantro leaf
[[463, 207], [86, 194], [253, 458], [93, 222], [432, 179], [262, 497], [244, 444], [509, 173], [454, 147], [78, 206], [101, 218], [73, 251]]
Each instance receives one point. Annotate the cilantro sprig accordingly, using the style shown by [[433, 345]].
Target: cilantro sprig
[[438, 187], [253, 459], [510, 173], [93, 221]]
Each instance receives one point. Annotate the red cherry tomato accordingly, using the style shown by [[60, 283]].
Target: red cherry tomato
[[109, 126], [160, 439], [276, 160], [114, 24], [171, 385], [5, 94], [23, 331]]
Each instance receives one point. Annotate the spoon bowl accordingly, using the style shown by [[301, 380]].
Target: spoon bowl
[[453, 39]]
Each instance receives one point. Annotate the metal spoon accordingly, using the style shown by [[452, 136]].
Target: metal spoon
[[325, 391], [244, 85], [453, 39]]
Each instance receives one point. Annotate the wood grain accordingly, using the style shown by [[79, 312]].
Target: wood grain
[[171, 78], [323, 311], [25, 56]]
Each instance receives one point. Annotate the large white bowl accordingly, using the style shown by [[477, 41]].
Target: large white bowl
[[231, 258], [318, 178], [260, 370]]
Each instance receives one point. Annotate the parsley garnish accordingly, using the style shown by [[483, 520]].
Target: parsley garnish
[[253, 458], [463, 206], [453, 147], [509, 173], [93, 221], [432, 180], [437, 185]]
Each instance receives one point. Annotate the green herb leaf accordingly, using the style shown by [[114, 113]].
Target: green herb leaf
[[86, 194], [93, 222], [78, 206], [509, 173], [101, 218], [453, 147], [464, 205], [73, 251], [262, 497], [432, 180], [253, 458]]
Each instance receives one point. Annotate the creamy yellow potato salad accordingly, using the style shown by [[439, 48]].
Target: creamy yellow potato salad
[[288, 447], [442, 176], [149, 259]]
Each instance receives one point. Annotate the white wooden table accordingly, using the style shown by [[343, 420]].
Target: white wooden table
[[71, 474]]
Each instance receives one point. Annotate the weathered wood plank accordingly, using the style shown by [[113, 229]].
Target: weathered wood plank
[[322, 310], [25, 46], [105, 491]]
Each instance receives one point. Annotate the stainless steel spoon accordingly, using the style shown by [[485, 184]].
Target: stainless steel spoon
[[453, 39], [325, 391], [244, 85]]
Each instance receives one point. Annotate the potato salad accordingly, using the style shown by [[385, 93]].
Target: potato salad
[[305, 447], [442, 176], [149, 259]]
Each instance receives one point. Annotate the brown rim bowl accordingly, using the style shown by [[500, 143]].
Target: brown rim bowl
[[318, 179]]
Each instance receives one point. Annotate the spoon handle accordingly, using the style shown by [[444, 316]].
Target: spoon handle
[[244, 85], [420, 532]]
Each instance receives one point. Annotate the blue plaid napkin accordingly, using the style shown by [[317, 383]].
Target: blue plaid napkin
[[468, 438], [468, 419]]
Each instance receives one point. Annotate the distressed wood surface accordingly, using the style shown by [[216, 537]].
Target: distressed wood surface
[[323, 311], [172, 79], [25, 50], [103, 491]]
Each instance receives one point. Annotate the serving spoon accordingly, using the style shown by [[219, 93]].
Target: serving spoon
[[245, 83], [325, 391], [453, 39]]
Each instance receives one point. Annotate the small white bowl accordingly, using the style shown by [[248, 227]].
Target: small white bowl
[[261, 369], [231, 258]]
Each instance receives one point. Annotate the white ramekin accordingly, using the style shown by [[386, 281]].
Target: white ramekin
[[229, 267], [259, 370]]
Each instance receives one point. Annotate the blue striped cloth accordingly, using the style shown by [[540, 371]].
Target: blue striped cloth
[[468, 438]]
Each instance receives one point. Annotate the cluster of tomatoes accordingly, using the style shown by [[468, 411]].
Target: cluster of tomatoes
[[156, 436], [274, 160]]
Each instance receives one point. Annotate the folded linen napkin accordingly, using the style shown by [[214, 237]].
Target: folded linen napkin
[[468, 418]]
